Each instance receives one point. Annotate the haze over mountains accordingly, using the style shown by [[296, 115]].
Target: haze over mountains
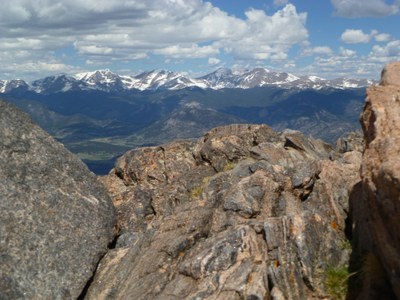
[[105, 80], [99, 115]]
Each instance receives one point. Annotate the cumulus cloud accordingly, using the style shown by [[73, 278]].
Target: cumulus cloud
[[93, 49], [382, 37], [268, 37], [365, 8], [346, 52], [28, 67], [212, 61], [187, 51], [134, 29], [355, 36], [385, 53], [341, 66], [348, 61], [319, 50]]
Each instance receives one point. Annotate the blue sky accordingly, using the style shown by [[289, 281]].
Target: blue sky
[[336, 38]]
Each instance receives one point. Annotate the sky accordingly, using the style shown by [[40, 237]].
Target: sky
[[326, 38]]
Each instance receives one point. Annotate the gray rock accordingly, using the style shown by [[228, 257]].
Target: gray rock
[[353, 141], [56, 219]]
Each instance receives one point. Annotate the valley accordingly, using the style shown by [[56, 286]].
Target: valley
[[98, 118]]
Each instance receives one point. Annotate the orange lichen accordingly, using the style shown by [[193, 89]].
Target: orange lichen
[[334, 225], [250, 278]]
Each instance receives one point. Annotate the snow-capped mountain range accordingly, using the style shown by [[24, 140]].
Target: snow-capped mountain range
[[105, 80]]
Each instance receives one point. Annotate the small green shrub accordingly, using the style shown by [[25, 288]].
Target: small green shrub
[[206, 180], [229, 166], [336, 282], [196, 192], [346, 245]]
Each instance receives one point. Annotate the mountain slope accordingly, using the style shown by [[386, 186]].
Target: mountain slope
[[99, 125], [190, 120]]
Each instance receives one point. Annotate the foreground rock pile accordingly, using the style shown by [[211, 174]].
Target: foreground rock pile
[[244, 213]]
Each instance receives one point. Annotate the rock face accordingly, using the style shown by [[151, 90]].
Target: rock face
[[244, 213], [56, 219], [391, 75], [376, 202]]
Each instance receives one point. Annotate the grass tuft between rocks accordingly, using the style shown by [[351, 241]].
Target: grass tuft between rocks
[[337, 282]]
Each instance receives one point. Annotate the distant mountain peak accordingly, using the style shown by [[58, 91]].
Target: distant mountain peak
[[314, 78], [55, 83], [96, 73], [260, 70], [223, 71], [7, 86], [108, 81]]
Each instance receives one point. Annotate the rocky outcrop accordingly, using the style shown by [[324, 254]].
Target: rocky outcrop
[[352, 141], [56, 219], [243, 213], [376, 201]]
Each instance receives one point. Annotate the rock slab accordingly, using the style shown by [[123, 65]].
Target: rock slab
[[376, 205], [56, 218]]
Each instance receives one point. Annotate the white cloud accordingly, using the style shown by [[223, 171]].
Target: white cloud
[[93, 49], [388, 52], [187, 51], [341, 66], [268, 37], [290, 65], [134, 29], [212, 61], [355, 36], [365, 8], [31, 68], [346, 52], [319, 50], [382, 37], [348, 63]]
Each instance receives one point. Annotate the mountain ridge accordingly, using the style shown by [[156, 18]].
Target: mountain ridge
[[108, 81]]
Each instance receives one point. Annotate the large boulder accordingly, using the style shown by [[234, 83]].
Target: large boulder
[[56, 219], [376, 201], [243, 213]]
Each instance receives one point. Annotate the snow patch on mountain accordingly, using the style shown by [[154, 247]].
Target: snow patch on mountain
[[3, 84], [107, 81], [7, 86], [315, 78]]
